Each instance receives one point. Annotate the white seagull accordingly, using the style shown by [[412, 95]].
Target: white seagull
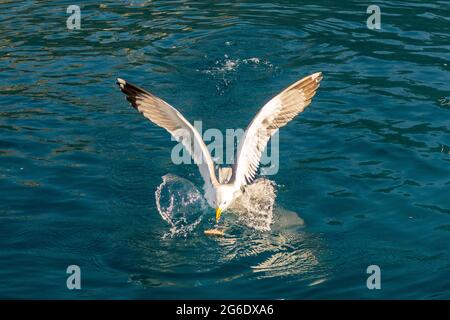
[[276, 113]]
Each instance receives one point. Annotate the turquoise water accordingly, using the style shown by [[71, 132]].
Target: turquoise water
[[366, 166]]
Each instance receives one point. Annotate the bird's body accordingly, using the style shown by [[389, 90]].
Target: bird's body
[[222, 191]]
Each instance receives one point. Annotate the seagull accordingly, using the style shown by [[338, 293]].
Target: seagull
[[221, 191]]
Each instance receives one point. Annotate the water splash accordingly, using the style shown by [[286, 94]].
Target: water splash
[[183, 206], [255, 206], [180, 204], [228, 64], [225, 70], [285, 251]]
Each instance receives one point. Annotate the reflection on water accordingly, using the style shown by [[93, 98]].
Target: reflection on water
[[241, 254], [282, 253]]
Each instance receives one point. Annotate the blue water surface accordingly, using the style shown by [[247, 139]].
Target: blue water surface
[[366, 166]]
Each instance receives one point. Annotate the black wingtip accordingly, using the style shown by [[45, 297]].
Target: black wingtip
[[120, 82]]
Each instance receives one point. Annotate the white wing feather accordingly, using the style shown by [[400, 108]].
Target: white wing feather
[[274, 115], [164, 115]]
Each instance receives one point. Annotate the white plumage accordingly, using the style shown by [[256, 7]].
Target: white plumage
[[276, 113]]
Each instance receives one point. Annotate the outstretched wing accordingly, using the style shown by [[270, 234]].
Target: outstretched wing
[[164, 115], [275, 114]]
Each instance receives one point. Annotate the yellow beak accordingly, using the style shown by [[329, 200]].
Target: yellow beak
[[218, 214]]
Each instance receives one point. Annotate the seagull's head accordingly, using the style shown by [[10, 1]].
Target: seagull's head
[[224, 197]]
